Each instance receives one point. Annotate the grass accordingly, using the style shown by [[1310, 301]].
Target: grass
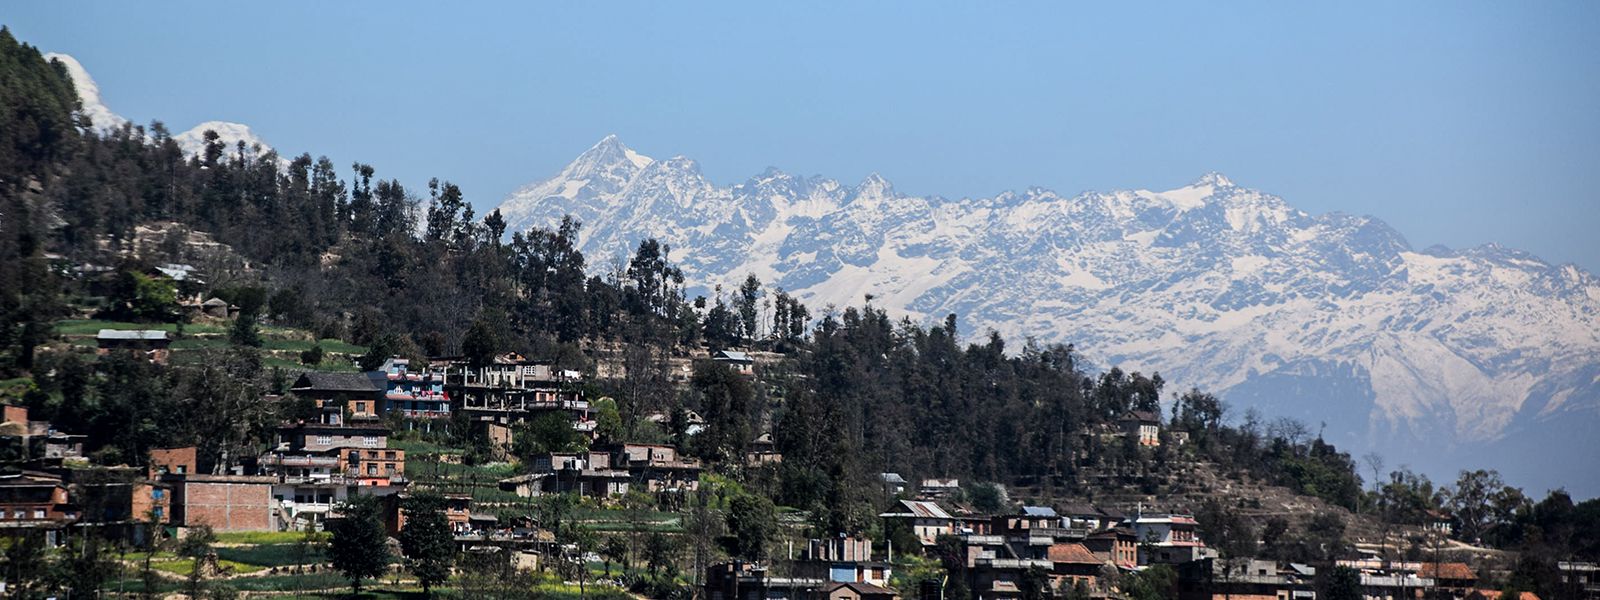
[[184, 566], [262, 537], [268, 555], [328, 345]]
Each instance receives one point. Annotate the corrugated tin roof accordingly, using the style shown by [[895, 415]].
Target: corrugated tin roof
[[131, 334], [928, 510], [1039, 511]]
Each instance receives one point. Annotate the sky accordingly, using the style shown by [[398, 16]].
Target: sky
[[1459, 123]]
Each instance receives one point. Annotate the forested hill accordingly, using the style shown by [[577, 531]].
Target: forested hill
[[349, 255]]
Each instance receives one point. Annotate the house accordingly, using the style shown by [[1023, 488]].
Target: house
[[1032, 519], [1143, 425], [939, 488], [340, 394], [855, 590], [1086, 518], [1075, 564], [893, 482], [1168, 539], [845, 559], [762, 451], [926, 519], [1118, 546], [1244, 578], [225, 502], [457, 513], [35, 500], [144, 344], [997, 565], [739, 362], [1440, 522], [511, 389], [587, 473], [1454, 577], [1581, 575], [740, 580], [218, 308], [658, 467], [415, 393], [173, 460], [120, 501]]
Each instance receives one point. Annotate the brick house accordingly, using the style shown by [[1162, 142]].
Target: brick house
[[181, 461], [340, 394], [225, 502]]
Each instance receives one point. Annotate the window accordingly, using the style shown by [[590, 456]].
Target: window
[[156, 493], [156, 512], [372, 468], [324, 440], [183, 469], [370, 441]]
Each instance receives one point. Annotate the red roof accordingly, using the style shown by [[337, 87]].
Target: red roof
[[1072, 554], [1450, 570], [1496, 595]]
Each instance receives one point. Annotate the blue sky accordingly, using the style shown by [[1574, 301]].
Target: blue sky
[[1457, 122]]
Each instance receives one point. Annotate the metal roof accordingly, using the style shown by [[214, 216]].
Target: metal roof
[[1038, 511], [131, 334]]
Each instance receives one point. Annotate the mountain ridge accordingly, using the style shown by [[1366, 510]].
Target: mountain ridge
[[1225, 287], [103, 119]]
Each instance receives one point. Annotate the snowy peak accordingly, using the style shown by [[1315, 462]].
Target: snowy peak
[[192, 141], [99, 115], [1330, 318], [606, 157]]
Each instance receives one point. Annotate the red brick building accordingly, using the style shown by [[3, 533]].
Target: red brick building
[[179, 461], [225, 502]]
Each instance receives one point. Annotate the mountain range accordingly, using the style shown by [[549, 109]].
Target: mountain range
[[1439, 358], [101, 117]]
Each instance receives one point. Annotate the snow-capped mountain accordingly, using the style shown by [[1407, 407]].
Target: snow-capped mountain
[[103, 118], [1441, 358]]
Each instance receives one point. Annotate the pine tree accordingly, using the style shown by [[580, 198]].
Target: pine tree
[[426, 540], [358, 547]]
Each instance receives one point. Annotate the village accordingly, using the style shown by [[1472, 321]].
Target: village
[[349, 447]]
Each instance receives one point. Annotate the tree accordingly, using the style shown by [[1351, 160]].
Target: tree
[[196, 546], [1472, 500], [426, 540], [483, 339], [726, 400], [752, 521], [1035, 584], [614, 549], [244, 331], [546, 433], [312, 356], [358, 547], [1343, 583]]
